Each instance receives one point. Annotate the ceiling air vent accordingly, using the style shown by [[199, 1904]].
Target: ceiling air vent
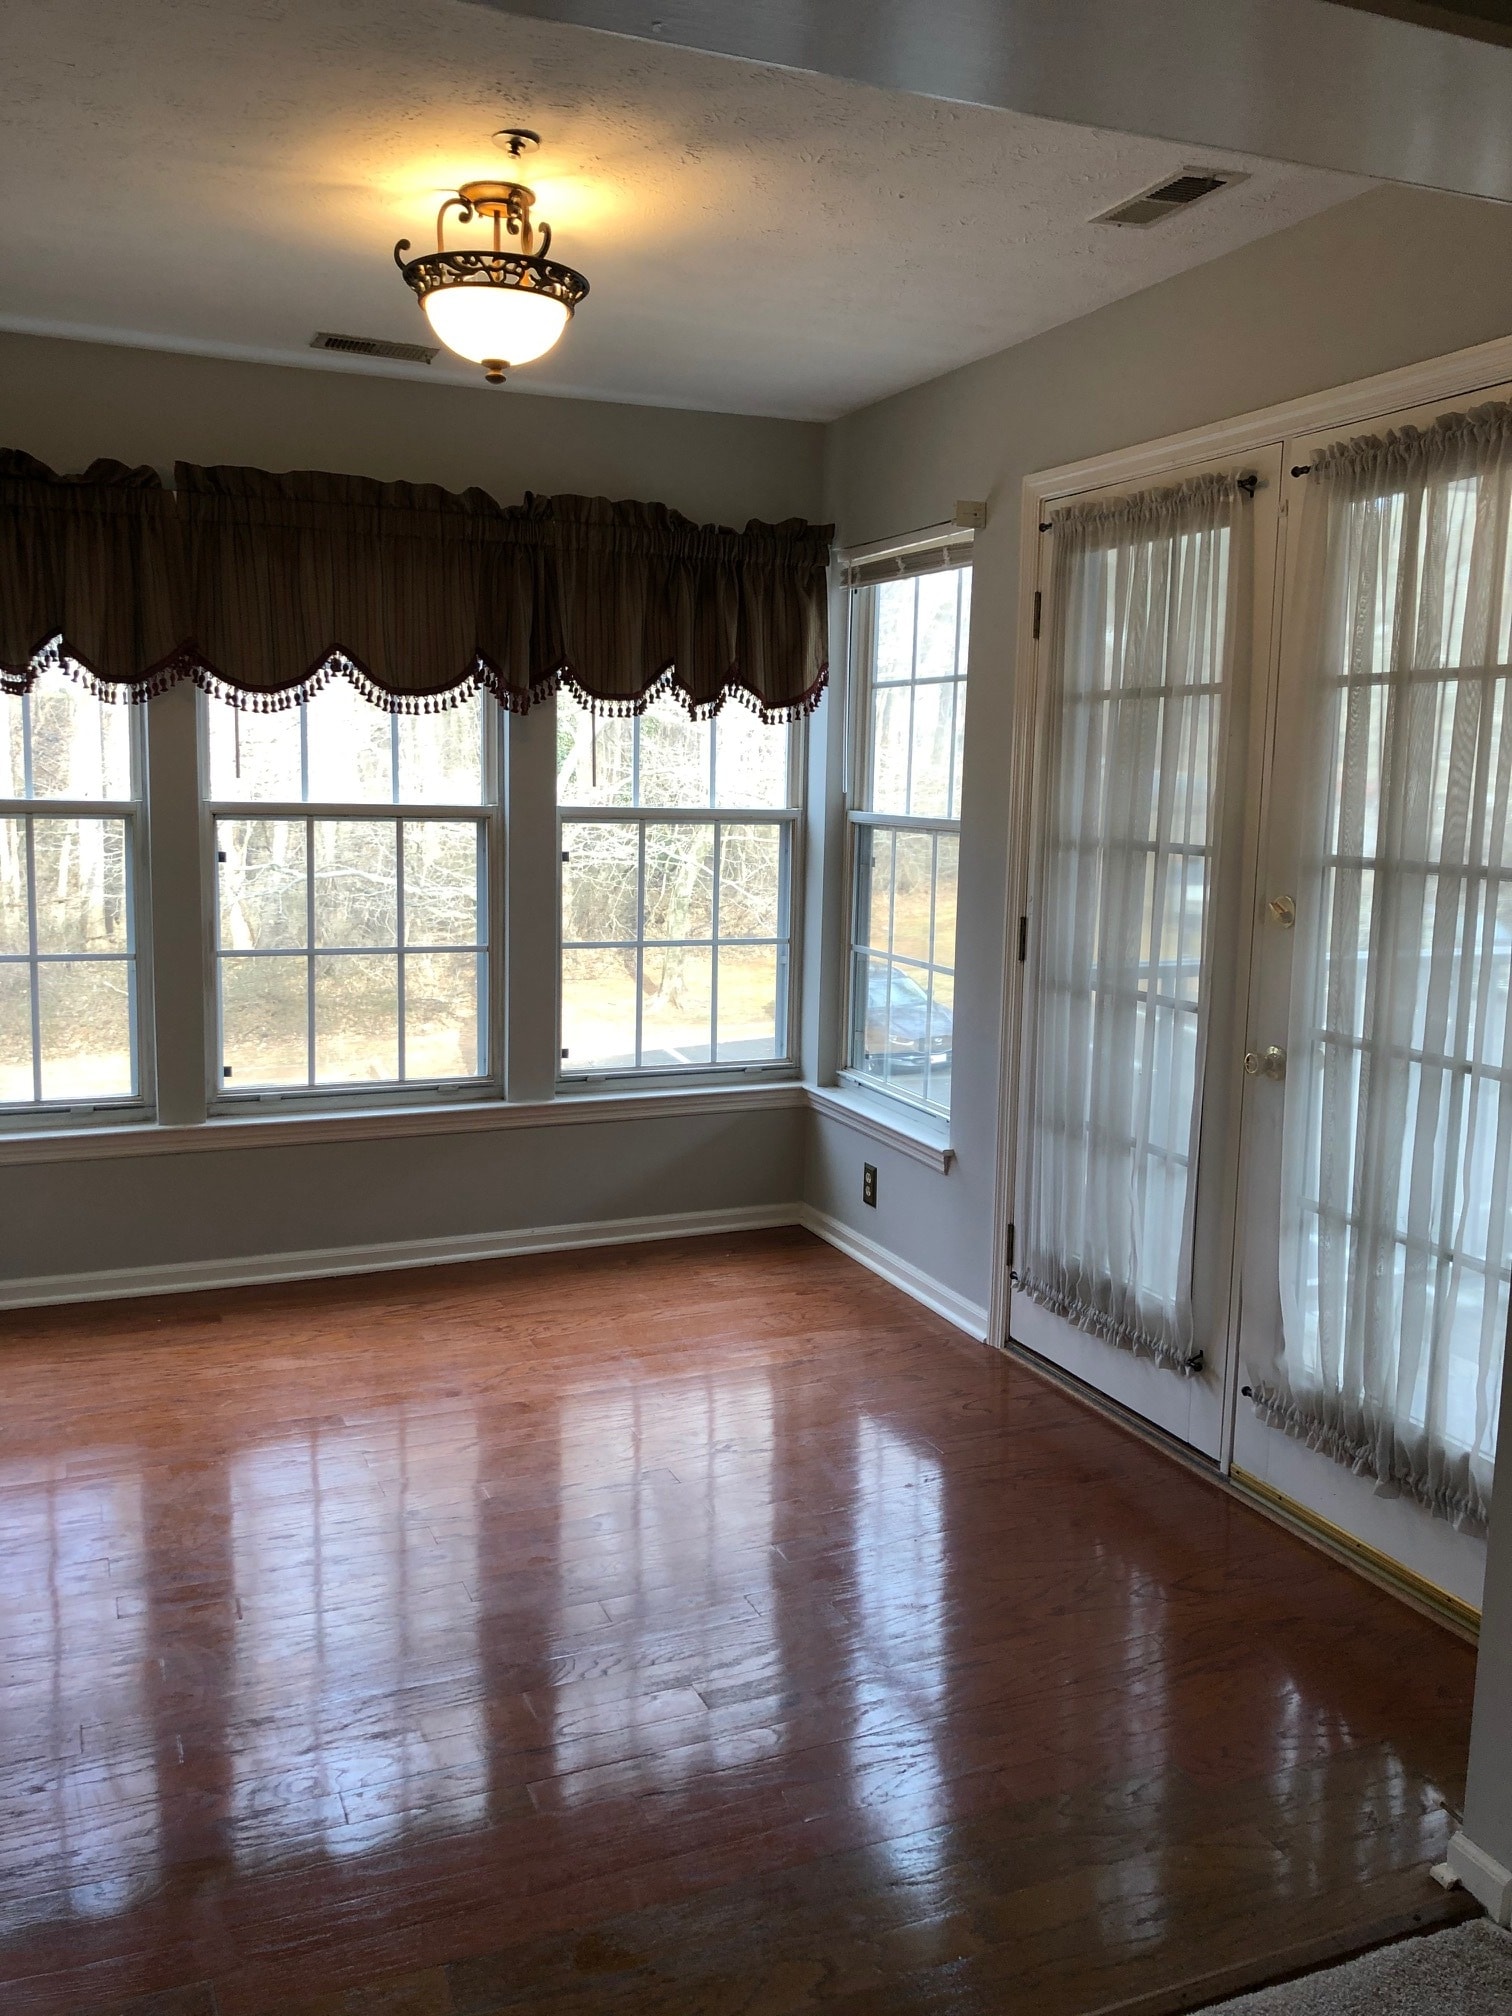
[[374, 346], [1168, 198]]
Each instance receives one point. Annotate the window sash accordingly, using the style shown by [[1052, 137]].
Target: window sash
[[486, 814], [401, 951], [785, 822], [863, 580], [135, 1104]]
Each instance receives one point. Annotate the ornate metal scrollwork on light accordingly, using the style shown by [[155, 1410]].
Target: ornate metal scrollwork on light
[[496, 307]]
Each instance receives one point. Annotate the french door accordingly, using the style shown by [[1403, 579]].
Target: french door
[[1377, 1145], [1348, 1102], [1158, 606]]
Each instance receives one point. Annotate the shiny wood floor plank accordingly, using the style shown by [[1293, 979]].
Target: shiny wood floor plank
[[699, 1628]]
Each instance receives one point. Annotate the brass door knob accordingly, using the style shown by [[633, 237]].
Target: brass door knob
[[1267, 1063]]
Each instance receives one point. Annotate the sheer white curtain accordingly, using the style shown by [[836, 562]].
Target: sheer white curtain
[[1397, 1139], [1142, 627]]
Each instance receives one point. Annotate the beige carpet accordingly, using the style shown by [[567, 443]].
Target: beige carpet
[[1466, 1971]]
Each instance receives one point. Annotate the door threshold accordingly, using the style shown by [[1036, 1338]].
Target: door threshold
[[1372, 1566]]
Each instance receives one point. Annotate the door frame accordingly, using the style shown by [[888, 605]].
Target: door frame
[[1460, 374]]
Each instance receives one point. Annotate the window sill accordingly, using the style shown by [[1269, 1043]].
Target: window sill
[[277, 1130], [920, 1135]]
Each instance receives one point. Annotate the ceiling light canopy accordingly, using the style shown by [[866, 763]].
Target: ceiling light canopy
[[498, 307]]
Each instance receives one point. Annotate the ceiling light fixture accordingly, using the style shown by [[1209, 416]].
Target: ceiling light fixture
[[502, 307]]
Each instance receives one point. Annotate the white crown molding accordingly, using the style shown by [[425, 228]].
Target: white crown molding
[[282, 1130], [922, 1287]]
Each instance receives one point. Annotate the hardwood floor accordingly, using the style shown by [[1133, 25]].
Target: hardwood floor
[[697, 1627]]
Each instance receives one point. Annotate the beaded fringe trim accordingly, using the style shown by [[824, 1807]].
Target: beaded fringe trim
[[485, 677]]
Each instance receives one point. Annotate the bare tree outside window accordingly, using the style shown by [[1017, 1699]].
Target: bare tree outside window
[[352, 894], [68, 969], [675, 896]]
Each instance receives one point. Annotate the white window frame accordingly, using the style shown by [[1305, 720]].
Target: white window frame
[[789, 818], [36, 1116], [932, 551], [221, 1102]]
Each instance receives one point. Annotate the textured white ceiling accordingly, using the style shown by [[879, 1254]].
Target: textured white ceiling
[[230, 176]]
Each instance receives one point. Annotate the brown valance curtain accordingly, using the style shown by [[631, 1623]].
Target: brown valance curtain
[[90, 560], [263, 587]]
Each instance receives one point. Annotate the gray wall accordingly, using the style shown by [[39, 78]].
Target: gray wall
[[236, 1202], [69, 402], [1386, 280]]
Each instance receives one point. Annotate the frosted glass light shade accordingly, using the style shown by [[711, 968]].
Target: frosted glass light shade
[[482, 323]]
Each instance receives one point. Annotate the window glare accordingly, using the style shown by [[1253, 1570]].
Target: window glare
[[339, 749], [662, 760], [79, 747]]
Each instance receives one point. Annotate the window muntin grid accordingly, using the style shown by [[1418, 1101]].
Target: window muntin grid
[[69, 978], [910, 646], [352, 942], [676, 891]]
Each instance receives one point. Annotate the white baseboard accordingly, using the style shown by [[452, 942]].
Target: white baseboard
[[967, 1316], [246, 1270], [176, 1278], [1484, 1877]]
